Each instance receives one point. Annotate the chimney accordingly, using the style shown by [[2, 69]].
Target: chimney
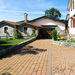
[[25, 17]]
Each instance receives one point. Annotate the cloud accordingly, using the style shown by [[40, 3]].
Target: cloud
[[33, 12], [10, 16], [15, 10]]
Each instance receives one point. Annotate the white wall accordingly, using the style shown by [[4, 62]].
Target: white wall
[[46, 21], [10, 30], [71, 29], [73, 10], [21, 30]]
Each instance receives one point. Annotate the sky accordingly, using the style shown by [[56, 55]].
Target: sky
[[13, 10]]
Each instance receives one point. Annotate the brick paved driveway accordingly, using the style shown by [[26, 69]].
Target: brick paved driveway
[[63, 60], [29, 60]]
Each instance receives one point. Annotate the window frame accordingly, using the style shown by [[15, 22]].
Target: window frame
[[5, 29], [24, 30]]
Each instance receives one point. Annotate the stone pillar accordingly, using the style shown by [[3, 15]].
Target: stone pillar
[[67, 36]]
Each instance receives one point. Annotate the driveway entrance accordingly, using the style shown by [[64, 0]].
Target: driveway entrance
[[45, 33], [31, 59]]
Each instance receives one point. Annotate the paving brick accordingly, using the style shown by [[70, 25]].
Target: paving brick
[[33, 63], [63, 60]]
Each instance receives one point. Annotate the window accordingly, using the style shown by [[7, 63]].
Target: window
[[5, 29], [25, 29]]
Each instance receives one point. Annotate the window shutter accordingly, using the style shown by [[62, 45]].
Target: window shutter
[[73, 4], [74, 22]]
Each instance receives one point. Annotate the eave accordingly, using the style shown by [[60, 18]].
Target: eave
[[69, 4]]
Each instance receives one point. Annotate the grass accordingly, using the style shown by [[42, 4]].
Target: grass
[[72, 41], [7, 43], [61, 36]]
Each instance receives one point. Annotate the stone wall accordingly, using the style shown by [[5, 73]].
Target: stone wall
[[15, 47], [64, 43]]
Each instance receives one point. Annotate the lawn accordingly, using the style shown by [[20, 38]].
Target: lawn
[[72, 41], [7, 43]]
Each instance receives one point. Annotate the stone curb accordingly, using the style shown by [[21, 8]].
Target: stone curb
[[63, 43], [49, 62], [14, 47]]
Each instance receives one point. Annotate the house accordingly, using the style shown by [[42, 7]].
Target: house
[[43, 26], [22, 29], [71, 17], [47, 24]]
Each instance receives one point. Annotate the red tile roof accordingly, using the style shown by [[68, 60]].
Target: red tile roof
[[33, 24], [13, 23]]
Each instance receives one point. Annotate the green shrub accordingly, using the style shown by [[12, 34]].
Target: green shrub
[[33, 34], [19, 35], [54, 34], [16, 34]]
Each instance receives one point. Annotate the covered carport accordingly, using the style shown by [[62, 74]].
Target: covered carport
[[45, 31]]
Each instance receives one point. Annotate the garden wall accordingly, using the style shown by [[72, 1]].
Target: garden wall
[[64, 43], [14, 47]]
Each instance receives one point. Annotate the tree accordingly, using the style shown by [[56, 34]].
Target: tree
[[53, 13]]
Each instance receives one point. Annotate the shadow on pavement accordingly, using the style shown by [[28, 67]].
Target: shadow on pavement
[[6, 73], [23, 51]]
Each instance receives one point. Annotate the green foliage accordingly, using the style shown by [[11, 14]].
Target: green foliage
[[21, 21], [54, 34], [33, 34], [53, 13], [61, 36], [7, 43], [72, 41], [6, 34], [16, 34]]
